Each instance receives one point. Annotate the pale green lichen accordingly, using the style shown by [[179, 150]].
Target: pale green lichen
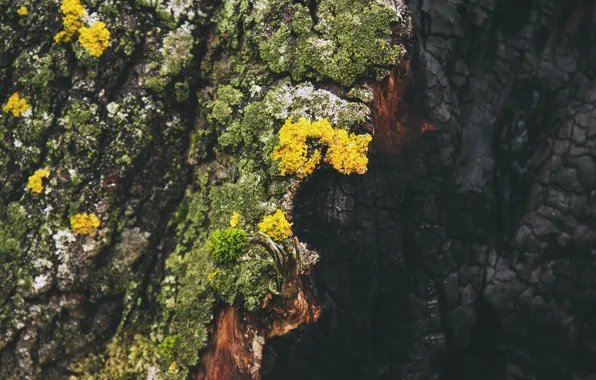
[[177, 50], [350, 38], [245, 196], [221, 107]]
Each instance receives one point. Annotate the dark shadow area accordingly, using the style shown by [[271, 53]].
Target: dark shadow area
[[481, 360]]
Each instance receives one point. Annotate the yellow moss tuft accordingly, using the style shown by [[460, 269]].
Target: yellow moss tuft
[[73, 11], [234, 219], [23, 11], [85, 224], [35, 181], [95, 39], [16, 105], [276, 226], [346, 153]]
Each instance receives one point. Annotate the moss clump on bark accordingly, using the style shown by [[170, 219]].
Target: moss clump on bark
[[226, 246]]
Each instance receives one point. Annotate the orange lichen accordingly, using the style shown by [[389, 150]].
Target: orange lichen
[[16, 105], [276, 226], [347, 151], [35, 181], [95, 39], [84, 224]]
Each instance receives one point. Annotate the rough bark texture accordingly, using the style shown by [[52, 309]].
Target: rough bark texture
[[465, 252]]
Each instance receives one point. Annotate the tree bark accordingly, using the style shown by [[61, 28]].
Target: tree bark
[[466, 251]]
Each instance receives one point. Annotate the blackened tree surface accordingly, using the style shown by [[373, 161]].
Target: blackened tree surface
[[469, 254]]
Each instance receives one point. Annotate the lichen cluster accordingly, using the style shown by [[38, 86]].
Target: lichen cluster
[[95, 38], [276, 226], [84, 224], [35, 181], [72, 11], [16, 105], [346, 152], [343, 40]]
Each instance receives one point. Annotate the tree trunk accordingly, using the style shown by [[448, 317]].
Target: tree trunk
[[464, 252]]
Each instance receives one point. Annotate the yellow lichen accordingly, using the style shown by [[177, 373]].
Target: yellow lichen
[[234, 219], [16, 105], [211, 274], [95, 39], [346, 152], [85, 224], [292, 149], [276, 226], [35, 181], [73, 11], [23, 11]]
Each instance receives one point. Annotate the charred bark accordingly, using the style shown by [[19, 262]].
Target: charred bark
[[468, 252]]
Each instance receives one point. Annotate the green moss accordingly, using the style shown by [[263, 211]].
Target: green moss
[[156, 84], [228, 22], [15, 268], [125, 358], [226, 246], [168, 346], [186, 297], [12, 229], [84, 59], [363, 93]]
